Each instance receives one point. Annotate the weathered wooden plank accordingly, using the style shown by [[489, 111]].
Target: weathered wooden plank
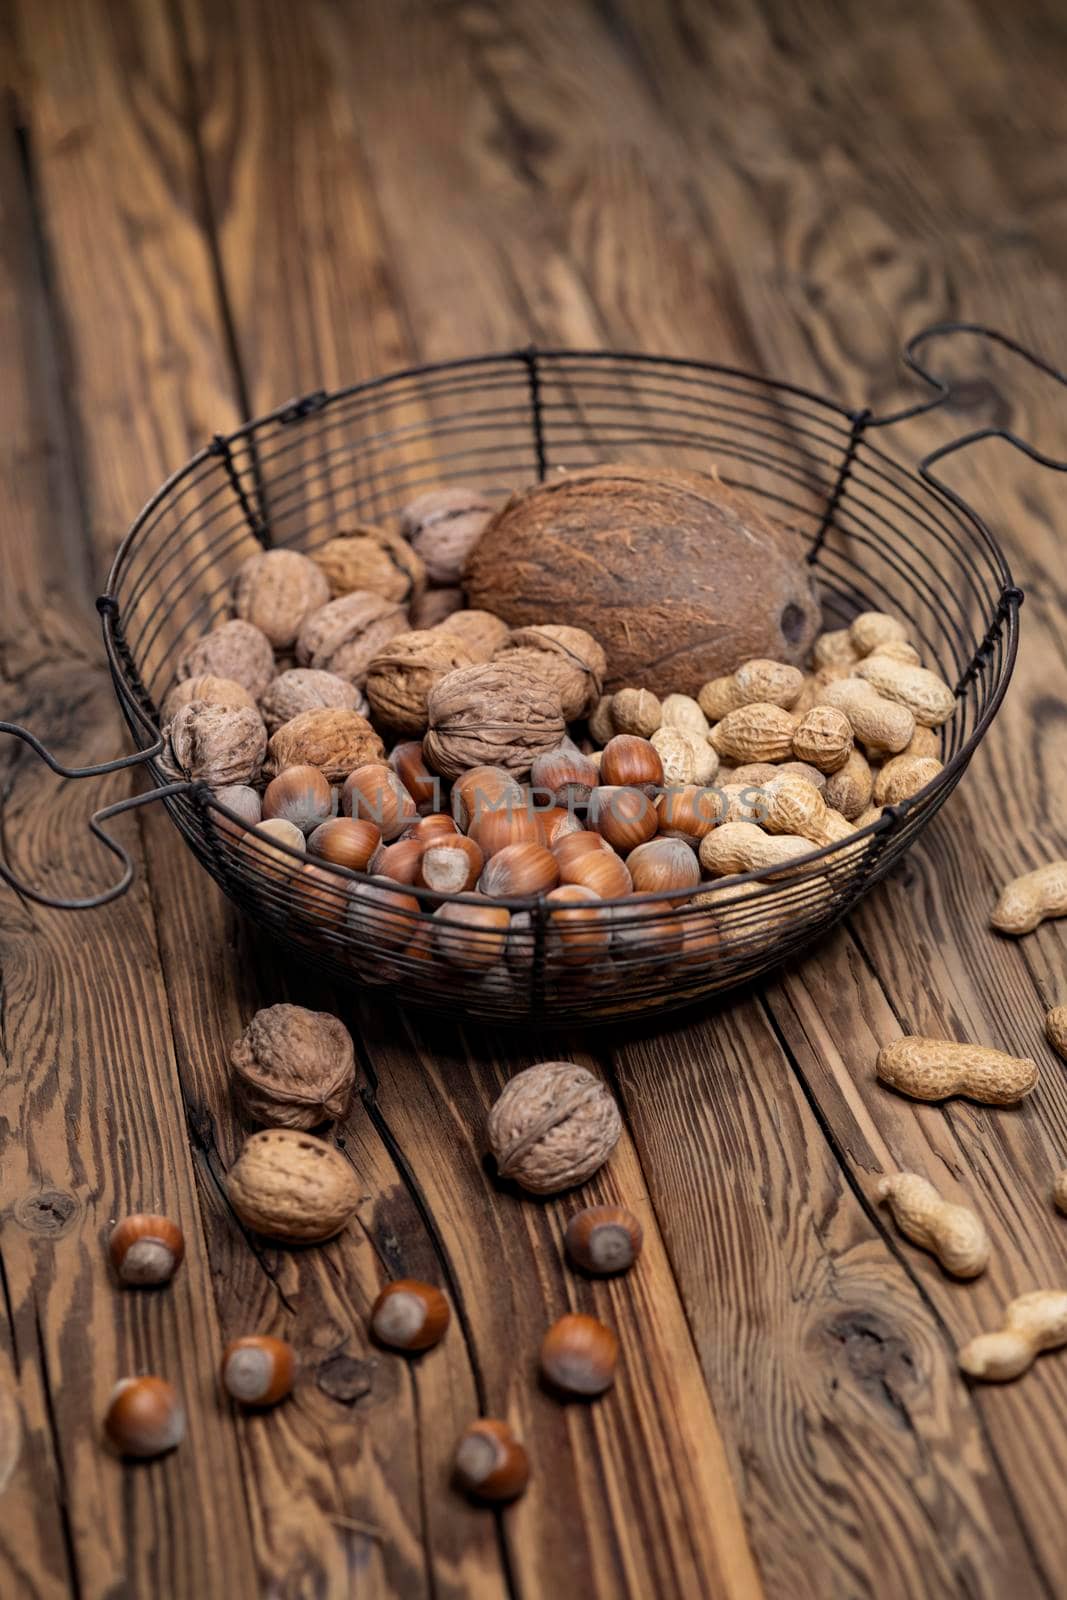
[[89, 1102]]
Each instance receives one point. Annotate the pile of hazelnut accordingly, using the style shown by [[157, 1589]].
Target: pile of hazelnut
[[463, 758]]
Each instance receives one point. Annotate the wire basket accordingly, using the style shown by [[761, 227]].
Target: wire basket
[[878, 535]]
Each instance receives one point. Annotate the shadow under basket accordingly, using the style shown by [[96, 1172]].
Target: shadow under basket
[[879, 535]]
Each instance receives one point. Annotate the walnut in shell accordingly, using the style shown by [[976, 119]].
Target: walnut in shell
[[401, 676], [373, 560], [294, 1068], [275, 590], [435, 606], [236, 650], [345, 635], [480, 631], [213, 691], [221, 745], [444, 525], [290, 1185], [553, 1127], [569, 658], [304, 689], [334, 741], [491, 715]]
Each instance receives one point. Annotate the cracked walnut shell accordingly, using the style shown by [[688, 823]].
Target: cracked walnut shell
[[345, 635], [373, 560], [219, 745], [289, 1185], [334, 741], [237, 650], [294, 1068], [491, 715], [570, 659], [304, 689], [553, 1127], [401, 676], [275, 590]]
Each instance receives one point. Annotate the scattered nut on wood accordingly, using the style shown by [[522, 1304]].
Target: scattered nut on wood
[[1032, 1323], [553, 1126], [292, 1186], [936, 1069], [294, 1068], [950, 1232], [1056, 1029], [1027, 901]]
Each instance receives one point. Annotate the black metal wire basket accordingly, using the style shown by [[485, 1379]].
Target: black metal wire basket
[[878, 534]]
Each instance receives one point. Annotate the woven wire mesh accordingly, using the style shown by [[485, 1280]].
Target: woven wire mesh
[[878, 536]]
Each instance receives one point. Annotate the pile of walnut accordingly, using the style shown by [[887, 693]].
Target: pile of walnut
[[439, 756]]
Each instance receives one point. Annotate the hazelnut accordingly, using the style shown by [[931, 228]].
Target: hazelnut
[[400, 861], [483, 789], [257, 1370], [645, 933], [144, 1417], [383, 916], [320, 895], [433, 607], [687, 757], [578, 1356], [452, 864], [221, 746], [569, 658], [690, 813], [346, 841], [400, 677], [266, 848], [630, 762], [292, 1186], [345, 635], [246, 805], [553, 1126], [603, 1239], [237, 650], [513, 822], [222, 692], [564, 776], [275, 590], [493, 713], [145, 1249], [304, 689], [373, 560], [578, 931], [576, 842], [375, 793], [334, 741], [624, 817], [481, 632], [409, 764], [490, 1462], [409, 1315], [519, 869], [558, 824], [294, 1068], [634, 711], [300, 795], [444, 524], [700, 937], [600, 870], [663, 865], [436, 828], [472, 933]]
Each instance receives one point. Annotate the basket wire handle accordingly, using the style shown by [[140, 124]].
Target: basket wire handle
[[943, 387], [91, 902]]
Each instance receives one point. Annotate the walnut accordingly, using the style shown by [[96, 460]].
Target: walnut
[[443, 526], [290, 1185], [373, 560], [480, 631], [275, 590], [236, 650], [553, 1127], [435, 606], [491, 715], [345, 635], [221, 745], [304, 689], [570, 658], [337, 742], [401, 676], [294, 1068], [214, 691]]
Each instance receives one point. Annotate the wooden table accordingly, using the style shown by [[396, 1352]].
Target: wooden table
[[206, 207]]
